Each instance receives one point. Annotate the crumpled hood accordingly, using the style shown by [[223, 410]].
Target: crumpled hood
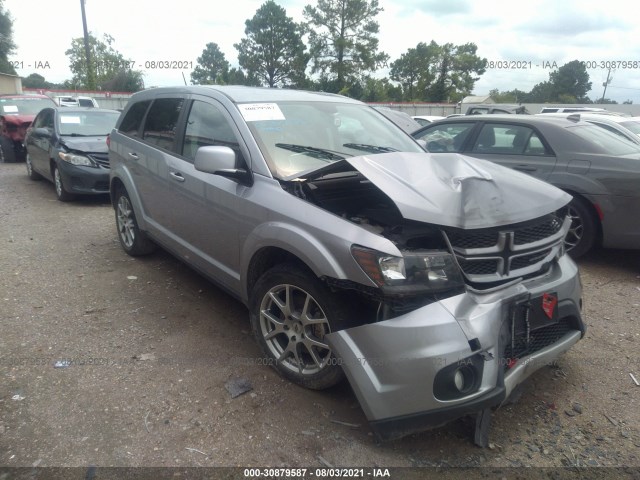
[[86, 144], [457, 191], [16, 119]]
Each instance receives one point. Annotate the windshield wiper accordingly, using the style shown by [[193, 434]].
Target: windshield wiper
[[369, 148], [74, 135], [314, 152]]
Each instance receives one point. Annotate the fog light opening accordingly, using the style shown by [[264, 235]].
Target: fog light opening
[[464, 379]]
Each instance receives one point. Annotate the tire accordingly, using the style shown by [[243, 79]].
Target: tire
[[584, 228], [291, 340], [30, 171], [7, 153], [133, 241], [61, 193]]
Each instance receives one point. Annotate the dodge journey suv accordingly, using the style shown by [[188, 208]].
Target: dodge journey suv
[[435, 284]]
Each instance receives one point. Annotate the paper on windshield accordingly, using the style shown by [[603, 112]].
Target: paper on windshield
[[68, 119], [10, 108], [255, 112]]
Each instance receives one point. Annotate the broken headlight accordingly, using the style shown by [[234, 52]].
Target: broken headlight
[[417, 271]]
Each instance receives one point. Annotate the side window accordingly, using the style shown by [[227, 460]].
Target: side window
[[611, 129], [509, 140], [131, 122], [41, 120], [161, 123], [206, 125], [446, 138]]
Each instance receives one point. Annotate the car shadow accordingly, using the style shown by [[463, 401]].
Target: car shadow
[[627, 260]]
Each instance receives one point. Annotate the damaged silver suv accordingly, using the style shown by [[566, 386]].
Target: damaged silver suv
[[435, 284]]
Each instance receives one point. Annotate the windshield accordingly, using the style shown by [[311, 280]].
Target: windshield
[[634, 126], [87, 124], [603, 141], [300, 136], [24, 106]]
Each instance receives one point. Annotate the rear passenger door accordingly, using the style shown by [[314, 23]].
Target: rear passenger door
[[515, 146], [150, 158], [205, 209]]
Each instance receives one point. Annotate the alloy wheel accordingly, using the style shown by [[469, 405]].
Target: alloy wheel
[[293, 326], [576, 230], [126, 222]]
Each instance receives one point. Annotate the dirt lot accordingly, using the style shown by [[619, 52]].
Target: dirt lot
[[152, 345]]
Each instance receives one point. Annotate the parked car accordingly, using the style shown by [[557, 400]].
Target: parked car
[[571, 109], [16, 114], [68, 147], [426, 119], [401, 119], [496, 109], [599, 169], [625, 127], [68, 101], [436, 284]]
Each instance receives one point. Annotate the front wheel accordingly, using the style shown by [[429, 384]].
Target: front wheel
[[30, 171], [61, 192], [291, 313], [132, 239], [583, 230]]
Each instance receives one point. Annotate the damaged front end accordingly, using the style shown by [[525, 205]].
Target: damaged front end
[[480, 296]]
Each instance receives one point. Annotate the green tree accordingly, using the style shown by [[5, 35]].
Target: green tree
[[509, 96], [7, 47], [212, 66], [235, 76], [273, 49], [414, 70], [125, 80], [572, 80], [342, 39], [438, 72], [568, 84], [36, 81], [455, 68], [108, 63]]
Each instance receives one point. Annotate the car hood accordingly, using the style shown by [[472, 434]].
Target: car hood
[[457, 191], [16, 119], [86, 144]]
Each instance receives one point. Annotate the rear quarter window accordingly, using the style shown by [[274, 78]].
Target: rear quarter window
[[132, 120]]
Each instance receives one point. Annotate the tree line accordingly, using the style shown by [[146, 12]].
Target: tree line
[[335, 49]]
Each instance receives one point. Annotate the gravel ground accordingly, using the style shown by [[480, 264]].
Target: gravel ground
[[151, 346]]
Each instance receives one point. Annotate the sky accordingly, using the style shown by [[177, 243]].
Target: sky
[[527, 40]]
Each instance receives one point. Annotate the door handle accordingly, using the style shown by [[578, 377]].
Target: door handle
[[524, 168], [177, 176], [133, 155]]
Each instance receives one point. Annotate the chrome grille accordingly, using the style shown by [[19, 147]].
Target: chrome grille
[[550, 225], [501, 254], [101, 159]]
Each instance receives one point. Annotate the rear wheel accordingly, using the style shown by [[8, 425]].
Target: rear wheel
[[132, 239], [291, 313], [62, 194], [583, 230]]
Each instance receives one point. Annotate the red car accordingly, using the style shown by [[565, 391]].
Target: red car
[[16, 114]]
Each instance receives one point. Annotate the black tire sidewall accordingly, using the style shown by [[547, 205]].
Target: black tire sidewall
[[589, 227]]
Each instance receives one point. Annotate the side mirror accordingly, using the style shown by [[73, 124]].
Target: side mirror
[[220, 160]]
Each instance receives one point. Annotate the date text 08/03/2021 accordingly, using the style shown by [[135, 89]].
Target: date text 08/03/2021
[[300, 473]]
